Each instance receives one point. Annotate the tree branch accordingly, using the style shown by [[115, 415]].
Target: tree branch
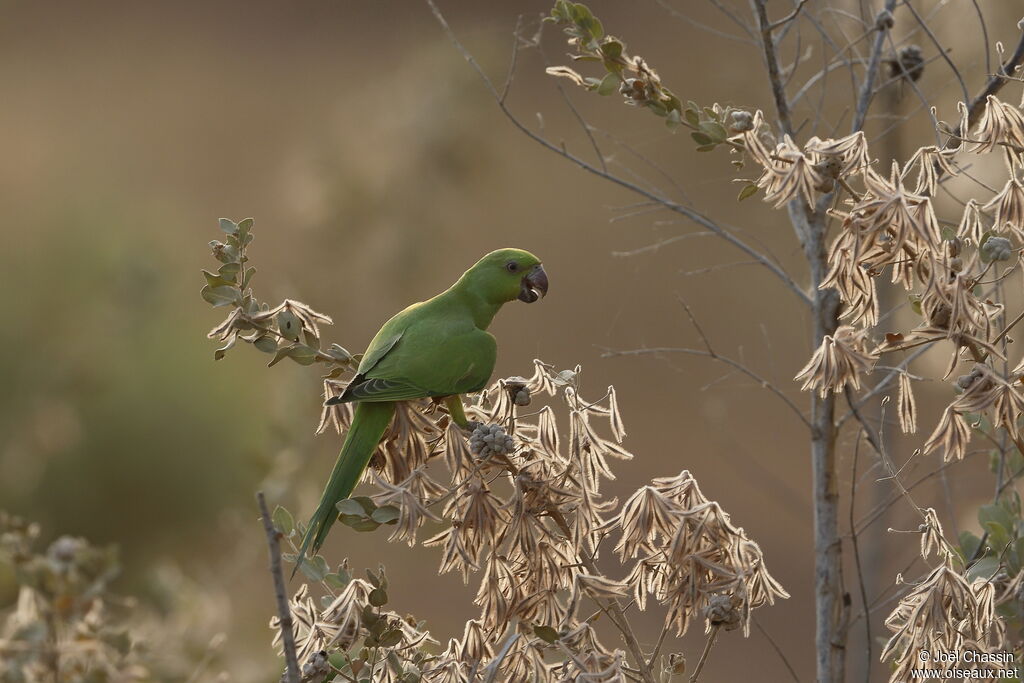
[[994, 85], [284, 613], [771, 59], [867, 88], [692, 215]]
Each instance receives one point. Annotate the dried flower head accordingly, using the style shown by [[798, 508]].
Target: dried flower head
[[841, 359], [523, 512]]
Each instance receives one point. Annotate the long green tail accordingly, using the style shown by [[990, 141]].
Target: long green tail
[[368, 425]]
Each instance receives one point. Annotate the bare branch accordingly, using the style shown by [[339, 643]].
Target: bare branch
[[692, 215], [609, 353], [994, 85], [938, 46], [857, 563], [868, 86], [778, 650], [788, 18], [704, 655], [771, 59], [704, 27], [284, 613]]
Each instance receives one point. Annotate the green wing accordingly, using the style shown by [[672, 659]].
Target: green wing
[[372, 389], [430, 349]]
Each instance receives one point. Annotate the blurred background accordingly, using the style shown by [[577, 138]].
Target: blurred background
[[378, 168]]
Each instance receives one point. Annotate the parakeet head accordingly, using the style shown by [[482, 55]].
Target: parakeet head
[[507, 274]]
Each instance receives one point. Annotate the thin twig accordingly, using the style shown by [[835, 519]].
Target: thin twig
[[778, 650], [694, 216], [788, 18], [704, 27], [938, 46], [856, 559], [867, 88], [284, 613], [609, 353], [886, 381], [771, 59], [704, 655], [995, 83]]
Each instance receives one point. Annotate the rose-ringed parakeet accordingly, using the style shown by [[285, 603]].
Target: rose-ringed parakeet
[[440, 348]]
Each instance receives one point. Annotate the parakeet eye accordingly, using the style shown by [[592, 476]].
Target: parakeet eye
[[512, 266]]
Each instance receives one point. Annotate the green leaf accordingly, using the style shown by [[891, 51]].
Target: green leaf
[[692, 117], [672, 121], [302, 354], [1015, 556], [658, 108], [288, 325], [545, 633], [373, 578], [390, 638], [350, 506], [281, 354], [748, 191], [608, 85], [315, 568], [714, 130], [707, 148], [915, 303], [336, 580], [611, 49], [378, 597], [216, 280], [701, 138], [244, 227], [224, 253], [228, 226], [229, 271], [283, 520], [219, 296], [998, 536], [310, 338], [220, 353], [248, 277], [366, 502], [387, 514], [969, 544], [352, 521], [265, 343], [983, 568], [995, 514], [377, 630], [339, 353]]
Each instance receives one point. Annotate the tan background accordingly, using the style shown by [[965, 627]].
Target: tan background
[[378, 169]]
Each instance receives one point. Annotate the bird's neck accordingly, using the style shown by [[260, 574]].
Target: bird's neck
[[480, 309]]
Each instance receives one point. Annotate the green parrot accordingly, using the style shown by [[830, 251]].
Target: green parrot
[[439, 347]]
